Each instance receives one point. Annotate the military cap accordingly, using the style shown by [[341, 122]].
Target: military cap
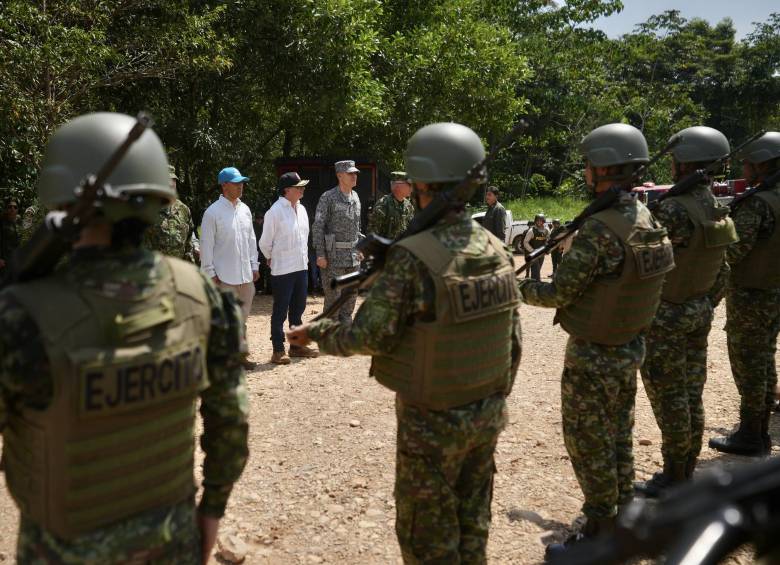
[[346, 167], [399, 176]]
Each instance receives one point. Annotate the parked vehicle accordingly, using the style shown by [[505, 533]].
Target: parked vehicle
[[514, 235]]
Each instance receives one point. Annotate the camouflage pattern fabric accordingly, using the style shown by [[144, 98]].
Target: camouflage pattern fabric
[[171, 234], [344, 314], [752, 317], [675, 368], [390, 217], [337, 220], [445, 465], [32, 218], [598, 388], [674, 373], [25, 380], [598, 385]]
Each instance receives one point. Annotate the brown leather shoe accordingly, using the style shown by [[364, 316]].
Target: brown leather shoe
[[280, 358], [303, 351], [248, 365]]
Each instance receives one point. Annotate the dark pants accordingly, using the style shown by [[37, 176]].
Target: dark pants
[[536, 269], [556, 259], [289, 303]]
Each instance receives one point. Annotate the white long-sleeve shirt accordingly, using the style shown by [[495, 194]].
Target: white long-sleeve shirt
[[285, 237], [228, 248]]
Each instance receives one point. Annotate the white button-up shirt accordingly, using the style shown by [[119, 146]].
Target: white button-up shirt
[[285, 237], [228, 248]]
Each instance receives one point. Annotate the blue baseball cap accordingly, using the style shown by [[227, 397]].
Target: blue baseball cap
[[230, 174]]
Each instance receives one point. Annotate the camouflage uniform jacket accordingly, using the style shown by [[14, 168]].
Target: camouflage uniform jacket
[[753, 220], [674, 217], [390, 217], [171, 234], [336, 227], [595, 252], [26, 381], [402, 293]]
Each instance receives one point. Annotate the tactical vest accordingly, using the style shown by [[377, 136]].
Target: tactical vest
[[761, 267], [117, 438], [538, 239], [465, 354], [613, 310], [698, 264]]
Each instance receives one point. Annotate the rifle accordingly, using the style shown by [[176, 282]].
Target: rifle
[[696, 177], [52, 240], [697, 523], [766, 184], [604, 201], [375, 247]]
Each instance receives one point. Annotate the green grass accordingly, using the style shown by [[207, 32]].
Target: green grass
[[564, 208]]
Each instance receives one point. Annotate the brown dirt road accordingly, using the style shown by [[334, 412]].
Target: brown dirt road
[[318, 487]]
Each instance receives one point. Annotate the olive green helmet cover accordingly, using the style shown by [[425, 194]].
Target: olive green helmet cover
[[699, 144], [82, 146], [615, 144], [765, 148], [442, 153]]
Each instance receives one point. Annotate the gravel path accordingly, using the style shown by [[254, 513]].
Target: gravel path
[[318, 487]]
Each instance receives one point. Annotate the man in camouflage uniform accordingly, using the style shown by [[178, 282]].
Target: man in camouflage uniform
[[753, 301], [101, 366], [451, 410], [335, 233], [9, 232], [606, 290], [393, 212], [675, 367], [171, 235], [495, 216]]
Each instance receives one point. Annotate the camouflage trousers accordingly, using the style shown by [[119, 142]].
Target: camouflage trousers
[[598, 388], [345, 312], [158, 537], [444, 480], [674, 373], [752, 325]]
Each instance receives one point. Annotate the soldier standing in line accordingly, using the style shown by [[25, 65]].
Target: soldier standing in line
[[606, 290], [393, 212], [336, 231], [101, 367], [536, 237], [495, 216], [753, 301], [556, 254], [172, 233], [418, 322], [675, 366]]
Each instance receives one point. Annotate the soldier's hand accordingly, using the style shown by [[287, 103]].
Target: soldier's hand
[[299, 335], [208, 527], [322, 263]]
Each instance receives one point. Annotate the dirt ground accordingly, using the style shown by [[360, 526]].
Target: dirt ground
[[318, 487]]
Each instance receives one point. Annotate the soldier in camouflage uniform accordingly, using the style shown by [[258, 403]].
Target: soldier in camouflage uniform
[[101, 366], [451, 410], [172, 234], [606, 290], [393, 212], [335, 233], [753, 301], [675, 367]]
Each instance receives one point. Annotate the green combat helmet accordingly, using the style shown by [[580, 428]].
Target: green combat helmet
[[615, 144], [699, 144], [765, 148], [138, 187], [442, 153]]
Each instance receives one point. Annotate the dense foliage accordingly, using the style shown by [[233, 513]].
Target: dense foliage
[[246, 82]]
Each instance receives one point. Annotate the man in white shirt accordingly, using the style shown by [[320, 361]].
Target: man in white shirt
[[228, 248], [284, 243]]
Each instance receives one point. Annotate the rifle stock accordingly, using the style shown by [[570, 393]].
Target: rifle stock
[[766, 184]]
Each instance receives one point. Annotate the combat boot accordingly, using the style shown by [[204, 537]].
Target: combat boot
[[673, 474], [747, 440], [593, 527]]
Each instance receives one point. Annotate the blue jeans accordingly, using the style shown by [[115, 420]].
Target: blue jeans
[[289, 302]]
